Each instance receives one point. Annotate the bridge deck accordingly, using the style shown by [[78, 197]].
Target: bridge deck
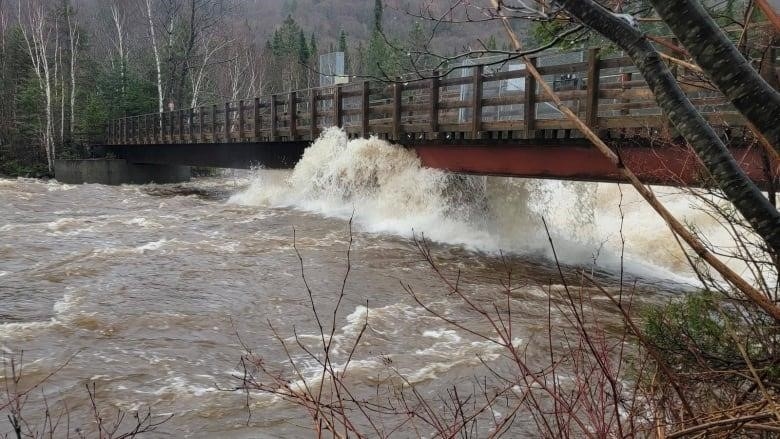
[[466, 121]]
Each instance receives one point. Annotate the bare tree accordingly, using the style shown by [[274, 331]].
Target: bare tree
[[725, 65], [74, 36], [199, 72], [36, 31], [156, 51]]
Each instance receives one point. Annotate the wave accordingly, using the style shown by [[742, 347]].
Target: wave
[[387, 190]]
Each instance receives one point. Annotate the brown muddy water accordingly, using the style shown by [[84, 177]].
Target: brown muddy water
[[145, 287]]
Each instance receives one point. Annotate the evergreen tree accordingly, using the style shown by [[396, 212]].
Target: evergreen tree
[[313, 50], [303, 49], [343, 48], [378, 15]]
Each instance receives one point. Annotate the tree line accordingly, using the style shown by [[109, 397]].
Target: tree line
[[69, 66]]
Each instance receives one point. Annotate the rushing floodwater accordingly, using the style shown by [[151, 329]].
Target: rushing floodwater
[[148, 285]]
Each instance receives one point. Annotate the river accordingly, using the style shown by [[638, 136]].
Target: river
[[143, 289]]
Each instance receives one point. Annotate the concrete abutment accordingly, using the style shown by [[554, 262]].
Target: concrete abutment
[[117, 171]]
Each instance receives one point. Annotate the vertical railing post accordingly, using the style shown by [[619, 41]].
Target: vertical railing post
[[214, 123], [191, 126], [256, 119], [397, 93], [624, 78], [337, 109], [181, 126], [240, 120], [171, 126], [313, 114], [592, 104], [365, 109], [201, 123], [529, 105], [156, 128], [434, 105], [136, 140], [150, 128], [292, 108], [476, 102], [227, 122], [162, 127], [274, 125], [146, 129], [169, 132]]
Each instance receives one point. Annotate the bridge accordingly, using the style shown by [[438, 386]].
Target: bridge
[[488, 119]]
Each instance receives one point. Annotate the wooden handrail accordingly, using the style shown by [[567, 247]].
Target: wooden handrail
[[435, 107]]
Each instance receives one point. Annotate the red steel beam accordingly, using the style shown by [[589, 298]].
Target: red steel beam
[[668, 165]]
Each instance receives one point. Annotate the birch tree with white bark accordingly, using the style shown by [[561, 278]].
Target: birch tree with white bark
[[156, 51], [36, 31], [74, 37]]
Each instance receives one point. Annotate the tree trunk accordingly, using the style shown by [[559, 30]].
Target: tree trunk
[[745, 196], [723, 63], [158, 67], [75, 36]]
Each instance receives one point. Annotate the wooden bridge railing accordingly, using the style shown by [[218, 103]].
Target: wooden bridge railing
[[484, 103]]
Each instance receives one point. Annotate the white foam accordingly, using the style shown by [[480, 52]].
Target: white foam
[[140, 222], [388, 191], [16, 329], [154, 245]]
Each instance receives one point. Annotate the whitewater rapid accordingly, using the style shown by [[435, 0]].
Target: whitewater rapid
[[385, 189]]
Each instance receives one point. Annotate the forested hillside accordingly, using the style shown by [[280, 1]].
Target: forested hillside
[[67, 66]]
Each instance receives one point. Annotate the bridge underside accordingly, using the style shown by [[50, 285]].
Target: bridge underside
[[243, 155], [573, 159]]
